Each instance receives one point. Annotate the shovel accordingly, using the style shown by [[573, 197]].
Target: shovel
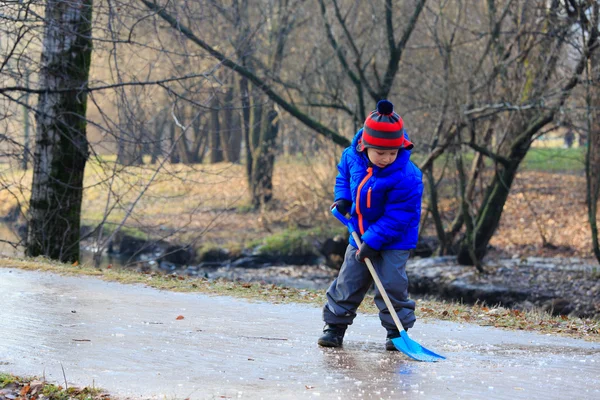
[[402, 343]]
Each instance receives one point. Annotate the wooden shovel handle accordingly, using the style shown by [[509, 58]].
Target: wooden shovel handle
[[380, 287]]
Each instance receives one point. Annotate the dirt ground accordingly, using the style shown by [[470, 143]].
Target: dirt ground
[[545, 216], [545, 208]]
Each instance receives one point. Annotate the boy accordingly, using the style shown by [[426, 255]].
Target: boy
[[381, 189]]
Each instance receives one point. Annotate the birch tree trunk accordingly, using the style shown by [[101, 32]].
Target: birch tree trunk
[[61, 144]]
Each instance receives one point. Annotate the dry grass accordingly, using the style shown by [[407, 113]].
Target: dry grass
[[545, 215], [210, 202], [427, 309]]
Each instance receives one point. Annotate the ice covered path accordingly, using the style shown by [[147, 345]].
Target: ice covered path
[[127, 339]]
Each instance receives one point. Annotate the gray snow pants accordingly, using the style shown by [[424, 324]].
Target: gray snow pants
[[354, 281]]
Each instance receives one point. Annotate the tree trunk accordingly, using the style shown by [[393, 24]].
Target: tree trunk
[[592, 158], [61, 144], [264, 159], [253, 142], [465, 206], [159, 126], [246, 121], [174, 154], [26, 125], [127, 151], [434, 209], [227, 114], [231, 137], [197, 150], [216, 151], [235, 138], [183, 147], [490, 212], [477, 167]]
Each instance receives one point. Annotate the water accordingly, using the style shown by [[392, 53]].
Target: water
[[11, 246], [298, 276]]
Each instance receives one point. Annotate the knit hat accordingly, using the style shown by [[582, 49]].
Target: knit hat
[[384, 129]]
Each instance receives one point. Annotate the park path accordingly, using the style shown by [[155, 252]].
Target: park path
[[127, 339]]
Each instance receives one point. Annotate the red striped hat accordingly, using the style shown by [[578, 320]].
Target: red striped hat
[[384, 129]]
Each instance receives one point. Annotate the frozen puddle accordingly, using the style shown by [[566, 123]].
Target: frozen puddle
[[127, 339]]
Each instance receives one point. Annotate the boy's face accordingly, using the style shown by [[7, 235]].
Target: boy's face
[[382, 158]]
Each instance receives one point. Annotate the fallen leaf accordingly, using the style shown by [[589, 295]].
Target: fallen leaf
[[36, 386], [76, 263], [180, 317], [24, 390]]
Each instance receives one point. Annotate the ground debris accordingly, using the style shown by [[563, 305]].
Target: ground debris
[[32, 388]]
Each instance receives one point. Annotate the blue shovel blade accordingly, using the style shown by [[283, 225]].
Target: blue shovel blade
[[414, 349]]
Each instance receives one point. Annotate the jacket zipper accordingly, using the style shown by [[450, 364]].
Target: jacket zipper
[[358, 212], [369, 198]]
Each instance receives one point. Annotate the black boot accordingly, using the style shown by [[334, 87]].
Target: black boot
[[333, 335], [391, 334]]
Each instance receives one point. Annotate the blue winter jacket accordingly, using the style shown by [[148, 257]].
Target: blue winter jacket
[[386, 202]]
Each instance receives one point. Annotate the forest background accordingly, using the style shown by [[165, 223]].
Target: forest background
[[219, 124]]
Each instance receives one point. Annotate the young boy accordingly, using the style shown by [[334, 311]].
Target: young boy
[[381, 189]]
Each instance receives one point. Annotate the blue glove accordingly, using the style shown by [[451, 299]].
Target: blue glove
[[343, 206], [366, 251]]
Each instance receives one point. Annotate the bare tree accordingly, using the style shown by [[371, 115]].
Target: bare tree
[[539, 47], [70, 103], [592, 159], [61, 144], [504, 74]]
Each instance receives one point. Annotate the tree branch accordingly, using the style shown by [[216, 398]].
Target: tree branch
[[88, 89], [488, 153], [396, 55], [305, 119]]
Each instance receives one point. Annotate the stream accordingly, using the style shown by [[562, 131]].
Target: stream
[[297, 276]]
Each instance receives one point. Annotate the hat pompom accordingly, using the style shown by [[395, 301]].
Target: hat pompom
[[385, 107]]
